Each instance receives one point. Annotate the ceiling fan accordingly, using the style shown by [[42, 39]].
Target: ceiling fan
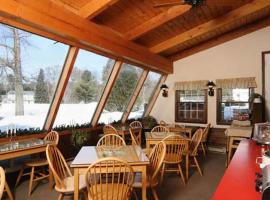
[[196, 3]]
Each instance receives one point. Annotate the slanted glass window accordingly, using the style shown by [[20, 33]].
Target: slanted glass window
[[145, 95], [30, 67], [85, 87], [191, 106], [121, 93], [232, 104]]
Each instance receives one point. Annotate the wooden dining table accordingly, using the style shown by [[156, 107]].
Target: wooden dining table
[[179, 129], [15, 149], [152, 138], [134, 156]]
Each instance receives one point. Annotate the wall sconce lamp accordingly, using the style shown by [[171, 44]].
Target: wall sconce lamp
[[164, 89], [211, 86]]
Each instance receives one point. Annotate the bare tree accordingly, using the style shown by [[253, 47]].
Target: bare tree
[[11, 41]]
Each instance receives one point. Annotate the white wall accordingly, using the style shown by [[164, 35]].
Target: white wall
[[240, 57]]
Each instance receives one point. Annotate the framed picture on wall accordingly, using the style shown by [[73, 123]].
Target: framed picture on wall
[[266, 82]]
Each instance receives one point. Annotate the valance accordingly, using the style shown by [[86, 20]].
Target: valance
[[191, 85], [233, 83]]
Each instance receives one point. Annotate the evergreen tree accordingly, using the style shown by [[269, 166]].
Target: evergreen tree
[[86, 89], [123, 89], [41, 92]]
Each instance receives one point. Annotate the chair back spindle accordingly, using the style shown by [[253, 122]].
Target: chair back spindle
[[52, 137], [111, 140], [195, 141], [109, 129], [58, 165], [2, 181], [160, 129], [109, 178]]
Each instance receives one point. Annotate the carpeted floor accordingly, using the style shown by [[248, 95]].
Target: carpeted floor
[[198, 187]]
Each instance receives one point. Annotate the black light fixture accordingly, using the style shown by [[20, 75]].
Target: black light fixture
[[211, 85], [164, 89]]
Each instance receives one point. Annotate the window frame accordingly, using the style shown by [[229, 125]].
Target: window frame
[[219, 102], [205, 115]]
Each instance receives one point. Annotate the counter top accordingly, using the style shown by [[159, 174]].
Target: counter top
[[238, 181]]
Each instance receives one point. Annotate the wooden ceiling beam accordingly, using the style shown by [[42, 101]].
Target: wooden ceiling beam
[[241, 31], [249, 8], [46, 16], [157, 21], [94, 7]]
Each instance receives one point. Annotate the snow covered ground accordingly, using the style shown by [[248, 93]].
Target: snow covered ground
[[35, 115]]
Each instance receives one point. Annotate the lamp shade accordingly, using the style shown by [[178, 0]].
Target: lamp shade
[[164, 86], [211, 84]]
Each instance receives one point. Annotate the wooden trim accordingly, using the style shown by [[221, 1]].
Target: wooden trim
[[237, 14], [155, 96], [263, 71], [61, 86], [94, 7], [106, 92], [205, 114], [241, 31], [157, 21], [135, 95], [82, 32]]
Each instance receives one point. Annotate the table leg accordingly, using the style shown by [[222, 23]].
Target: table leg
[[50, 179], [76, 184], [144, 183], [187, 165]]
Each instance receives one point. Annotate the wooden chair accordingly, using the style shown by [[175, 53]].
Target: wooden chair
[[110, 179], [64, 181], [111, 140], [204, 138], [136, 124], [160, 129], [193, 148], [4, 186], [136, 136], [156, 159], [39, 168], [176, 147], [2, 181], [162, 123], [109, 129]]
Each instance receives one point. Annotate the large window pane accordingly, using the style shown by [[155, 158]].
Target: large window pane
[[84, 89], [233, 104], [30, 67], [145, 95], [191, 106], [121, 93]]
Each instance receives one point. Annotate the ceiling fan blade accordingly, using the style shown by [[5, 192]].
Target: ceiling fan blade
[[169, 4], [223, 2]]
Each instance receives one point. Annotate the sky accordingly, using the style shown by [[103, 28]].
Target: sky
[[40, 52], [46, 53]]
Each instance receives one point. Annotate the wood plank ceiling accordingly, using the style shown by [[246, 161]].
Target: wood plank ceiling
[[172, 31]]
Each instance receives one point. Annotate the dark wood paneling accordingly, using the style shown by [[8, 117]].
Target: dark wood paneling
[[217, 137]]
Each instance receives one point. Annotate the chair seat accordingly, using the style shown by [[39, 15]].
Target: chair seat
[[69, 182], [37, 163], [109, 191], [138, 181]]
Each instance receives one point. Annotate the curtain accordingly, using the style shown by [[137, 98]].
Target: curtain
[[233, 83], [191, 85]]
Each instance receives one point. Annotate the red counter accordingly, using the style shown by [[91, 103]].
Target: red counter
[[238, 182]]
